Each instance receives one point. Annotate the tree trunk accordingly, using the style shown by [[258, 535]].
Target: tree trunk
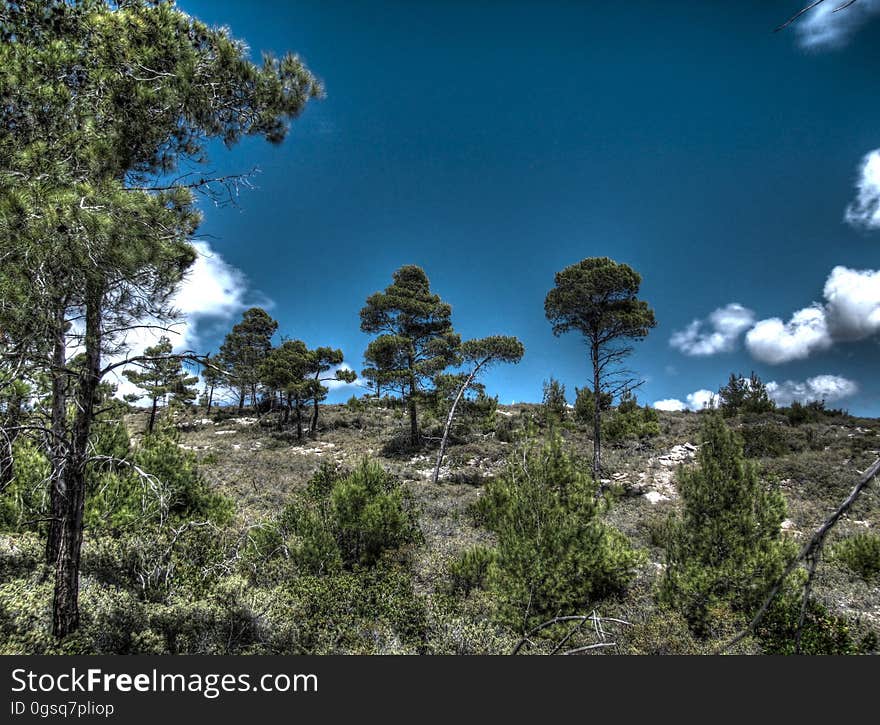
[[597, 411], [450, 416], [65, 606], [241, 401], [413, 414], [210, 399], [313, 422], [7, 461], [153, 414], [299, 420], [58, 483]]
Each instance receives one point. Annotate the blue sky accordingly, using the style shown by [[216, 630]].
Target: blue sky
[[494, 143]]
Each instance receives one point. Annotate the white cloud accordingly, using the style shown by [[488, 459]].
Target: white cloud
[[774, 341], [212, 287], [670, 404], [851, 312], [211, 290], [865, 210], [720, 334], [340, 384], [853, 303], [821, 387], [694, 401], [829, 388], [700, 399], [822, 28]]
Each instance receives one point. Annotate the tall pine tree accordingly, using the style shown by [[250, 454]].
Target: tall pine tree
[[244, 350], [415, 336]]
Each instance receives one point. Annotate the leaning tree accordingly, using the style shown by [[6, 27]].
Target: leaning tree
[[597, 297], [478, 355]]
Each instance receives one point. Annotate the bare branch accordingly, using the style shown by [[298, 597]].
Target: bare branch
[[811, 551], [807, 9]]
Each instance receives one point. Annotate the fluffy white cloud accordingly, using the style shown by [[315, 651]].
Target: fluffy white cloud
[[774, 341], [670, 404], [851, 312], [865, 210], [694, 401], [852, 304], [212, 290], [822, 28], [821, 387], [212, 287], [829, 388], [720, 334], [700, 399]]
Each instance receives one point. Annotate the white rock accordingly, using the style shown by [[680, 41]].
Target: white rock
[[655, 497]]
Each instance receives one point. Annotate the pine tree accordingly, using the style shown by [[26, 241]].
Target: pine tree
[[757, 398], [244, 350], [99, 98], [161, 375], [479, 355], [554, 555], [416, 340], [284, 371], [321, 361], [553, 400], [212, 374], [598, 298], [726, 547], [732, 396], [744, 395]]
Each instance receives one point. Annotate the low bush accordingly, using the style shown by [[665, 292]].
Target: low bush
[[860, 554], [344, 520], [471, 569], [631, 422]]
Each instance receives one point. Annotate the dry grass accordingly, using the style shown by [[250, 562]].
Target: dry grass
[[261, 467]]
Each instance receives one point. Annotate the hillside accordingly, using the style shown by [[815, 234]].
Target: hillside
[[414, 602], [262, 469]]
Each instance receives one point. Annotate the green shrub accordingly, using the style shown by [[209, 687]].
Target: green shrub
[[768, 440], [860, 554], [152, 483], [25, 499], [630, 422], [554, 554], [744, 395], [553, 403], [798, 413], [822, 633], [355, 404], [584, 404], [367, 519], [371, 611], [471, 569], [346, 519], [726, 547]]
